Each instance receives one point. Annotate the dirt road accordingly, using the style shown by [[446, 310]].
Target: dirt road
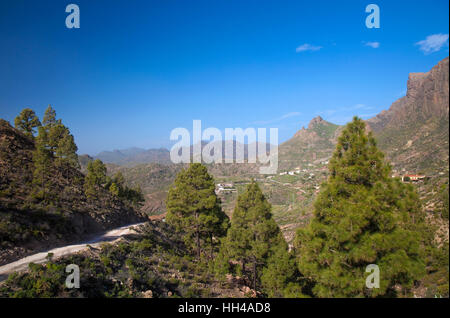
[[39, 258]]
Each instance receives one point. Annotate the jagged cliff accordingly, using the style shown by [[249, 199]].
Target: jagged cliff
[[414, 131]]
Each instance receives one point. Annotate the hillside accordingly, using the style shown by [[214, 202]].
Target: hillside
[[27, 223], [309, 145], [152, 263]]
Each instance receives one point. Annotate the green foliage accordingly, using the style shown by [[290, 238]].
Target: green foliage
[[253, 239], [119, 179], [95, 178], [279, 277], [194, 209], [118, 188], [114, 189], [128, 269], [54, 147], [436, 281], [361, 217], [50, 117], [42, 161], [133, 195], [63, 144], [27, 121]]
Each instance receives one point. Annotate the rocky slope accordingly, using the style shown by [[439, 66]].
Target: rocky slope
[[150, 262], [309, 145], [414, 131]]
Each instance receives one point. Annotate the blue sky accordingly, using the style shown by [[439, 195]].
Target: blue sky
[[135, 70]]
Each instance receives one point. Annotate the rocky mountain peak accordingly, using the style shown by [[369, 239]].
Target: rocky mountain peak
[[315, 121]]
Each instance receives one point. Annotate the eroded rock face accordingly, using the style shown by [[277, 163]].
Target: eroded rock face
[[427, 97], [414, 131]]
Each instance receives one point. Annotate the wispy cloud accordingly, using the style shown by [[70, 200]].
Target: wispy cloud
[[307, 47], [285, 116], [352, 108], [374, 45], [433, 43], [342, 115]]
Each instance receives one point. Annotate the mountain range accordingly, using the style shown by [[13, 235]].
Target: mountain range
[[413, 132], [134, 155]]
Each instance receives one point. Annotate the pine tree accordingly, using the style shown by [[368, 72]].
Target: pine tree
[[60, 142], [134, 195], [119, 179], [66, 149], [253, 236], [194, 209], [50, 117], [42, 161], [56, 133], [280, 275], [114, 189], [362, 216], [27, 121], [95, 178]]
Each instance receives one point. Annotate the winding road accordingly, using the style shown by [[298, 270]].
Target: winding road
[[39, 258]]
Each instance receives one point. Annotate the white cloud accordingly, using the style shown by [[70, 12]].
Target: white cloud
[[374, 45], [352, 108], [433, 43], [342, 115], [307, 47], [292, 114], [285, 116]]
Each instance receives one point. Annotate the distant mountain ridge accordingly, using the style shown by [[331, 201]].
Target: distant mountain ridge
[[135, 155]]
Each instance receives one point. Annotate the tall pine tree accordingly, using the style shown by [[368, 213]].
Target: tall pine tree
[[65, 148], [42, 162], [194, 209], [253, 238], [50, 117], [362, 216], [95, 178]]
